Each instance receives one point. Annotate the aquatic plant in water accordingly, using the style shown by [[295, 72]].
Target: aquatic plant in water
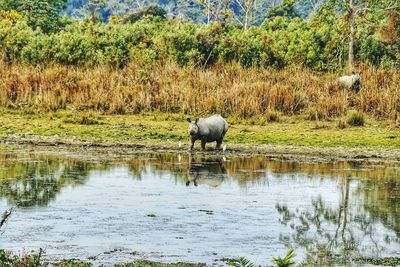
[[287, 261]]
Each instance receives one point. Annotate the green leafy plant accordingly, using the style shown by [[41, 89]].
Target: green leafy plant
[[241, 262], [287, 261]]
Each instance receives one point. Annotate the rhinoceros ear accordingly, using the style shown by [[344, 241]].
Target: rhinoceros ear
[[189, 120]]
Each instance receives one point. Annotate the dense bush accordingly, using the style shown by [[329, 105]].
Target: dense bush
[[43, 14], [318, 43]]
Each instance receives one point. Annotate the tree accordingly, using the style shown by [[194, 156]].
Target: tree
[[286, 9], [43, 14], [152, 11], [207, 4], [93, 7], [246, 9], [310, 6], [212, 9], [356, 8]]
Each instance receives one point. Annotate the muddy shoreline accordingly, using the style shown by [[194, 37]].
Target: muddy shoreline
[[117, 150]]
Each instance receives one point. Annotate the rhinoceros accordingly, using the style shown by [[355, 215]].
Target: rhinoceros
[[211, 129], [352, 82]]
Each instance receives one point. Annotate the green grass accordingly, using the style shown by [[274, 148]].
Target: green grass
[[157, 264], [65, 127], [7, 259]]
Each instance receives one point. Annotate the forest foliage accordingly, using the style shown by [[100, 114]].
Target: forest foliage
[[36, 32], [148, 61]]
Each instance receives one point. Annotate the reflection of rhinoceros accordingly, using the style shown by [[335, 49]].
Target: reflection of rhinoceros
[[210, 172]]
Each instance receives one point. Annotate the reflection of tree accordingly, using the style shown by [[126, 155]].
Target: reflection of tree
[[35, 182], [381, 199], [156, 164], [332, 234]]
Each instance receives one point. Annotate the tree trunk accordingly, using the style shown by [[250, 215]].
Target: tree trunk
[[218, 11], [94, 18], [345, 203], [208, 11], [246, 19]]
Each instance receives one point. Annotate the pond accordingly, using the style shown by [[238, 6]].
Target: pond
[[180, 207]]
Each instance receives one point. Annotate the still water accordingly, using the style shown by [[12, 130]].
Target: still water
[[170, 207]]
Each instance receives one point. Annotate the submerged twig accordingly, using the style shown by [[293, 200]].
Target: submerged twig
[[5, 216]]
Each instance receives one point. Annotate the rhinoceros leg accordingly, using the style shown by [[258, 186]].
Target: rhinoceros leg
[[203, 143], [219, 143], [192, 143]]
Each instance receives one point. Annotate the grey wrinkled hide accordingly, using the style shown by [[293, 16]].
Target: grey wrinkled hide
[[352, 82], [211, 129]]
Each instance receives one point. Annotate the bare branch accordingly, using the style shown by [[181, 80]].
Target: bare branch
[[364, 9], [240, 4], [390, 8], [5, 216], [238, 20]]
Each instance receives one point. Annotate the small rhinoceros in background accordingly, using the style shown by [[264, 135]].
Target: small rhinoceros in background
[[352, 82], [211, 129]]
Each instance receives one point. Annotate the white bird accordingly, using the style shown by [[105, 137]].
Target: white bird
[[223, 148], [180, 144]]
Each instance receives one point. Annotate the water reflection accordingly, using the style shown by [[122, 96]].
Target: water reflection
[[338, 234], [209, 172], [29, 181], [357, 215], [381, 198]]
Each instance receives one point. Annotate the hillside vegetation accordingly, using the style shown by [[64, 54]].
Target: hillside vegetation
[[283, 40]]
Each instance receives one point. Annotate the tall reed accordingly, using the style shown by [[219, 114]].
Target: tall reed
[[226, 88]]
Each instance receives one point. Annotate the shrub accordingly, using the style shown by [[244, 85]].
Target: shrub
[[396, 119], [356, 118], [342, 123], [11, 15], [272, 116], [314, 114]]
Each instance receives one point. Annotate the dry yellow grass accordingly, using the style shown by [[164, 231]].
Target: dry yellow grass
[[227, 89]]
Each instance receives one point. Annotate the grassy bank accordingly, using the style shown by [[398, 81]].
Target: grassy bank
[[294, 134], [7, 259], [270, 111]]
